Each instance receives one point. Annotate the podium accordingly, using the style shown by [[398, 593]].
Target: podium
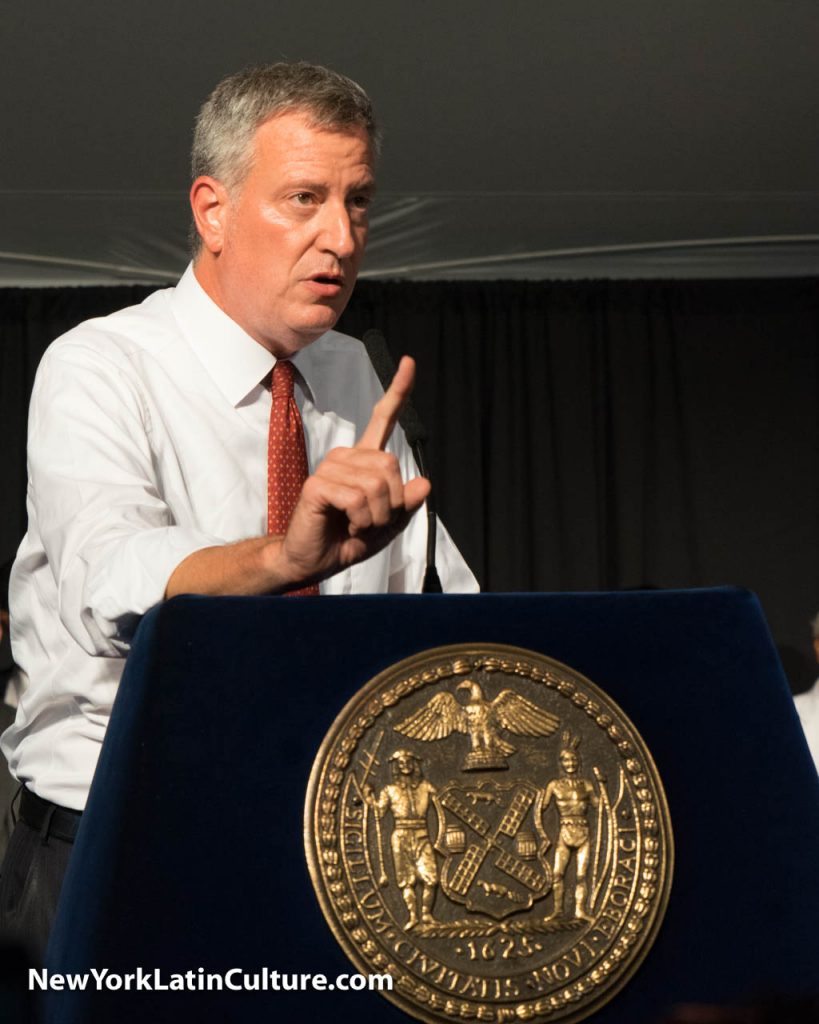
[[190, 854]]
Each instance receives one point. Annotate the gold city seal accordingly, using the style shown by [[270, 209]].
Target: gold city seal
[[487, 826]]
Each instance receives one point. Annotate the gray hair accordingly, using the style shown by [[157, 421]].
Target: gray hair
[[241, 103]]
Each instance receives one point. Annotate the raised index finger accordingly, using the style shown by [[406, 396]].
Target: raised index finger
[[386, 410]]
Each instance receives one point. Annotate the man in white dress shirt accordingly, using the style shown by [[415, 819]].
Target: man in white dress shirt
[[148, 437], [807, 704]]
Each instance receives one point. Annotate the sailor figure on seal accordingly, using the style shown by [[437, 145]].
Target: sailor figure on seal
[[408, 797]]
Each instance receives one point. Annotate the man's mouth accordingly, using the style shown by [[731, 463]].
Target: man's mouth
[[326, 286]]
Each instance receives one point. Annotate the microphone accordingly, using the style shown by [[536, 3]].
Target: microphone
[[384, 366]]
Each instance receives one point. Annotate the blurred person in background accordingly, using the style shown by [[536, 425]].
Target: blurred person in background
[[8, 705], [807, 703]]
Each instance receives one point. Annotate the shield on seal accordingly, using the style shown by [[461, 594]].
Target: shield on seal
[[494, 845]]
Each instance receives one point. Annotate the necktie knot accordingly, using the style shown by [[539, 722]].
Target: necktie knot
[[281, 384]]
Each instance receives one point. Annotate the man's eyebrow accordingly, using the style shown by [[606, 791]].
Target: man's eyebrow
[[301, 185], [368, 187]]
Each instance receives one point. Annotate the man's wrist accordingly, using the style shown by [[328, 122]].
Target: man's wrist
[[273, 565], [284, 574], [255, 566]]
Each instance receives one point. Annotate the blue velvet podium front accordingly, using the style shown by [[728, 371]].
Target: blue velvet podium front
[[190, 854]]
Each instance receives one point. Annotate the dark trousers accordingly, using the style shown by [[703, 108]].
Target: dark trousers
[[8, 784], [31, 877]]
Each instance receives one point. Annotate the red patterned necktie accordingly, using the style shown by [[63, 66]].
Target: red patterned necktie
[[286, 457]]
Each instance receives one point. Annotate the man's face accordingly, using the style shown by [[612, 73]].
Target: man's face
[[406, 764], [569, 762], [294, 232]]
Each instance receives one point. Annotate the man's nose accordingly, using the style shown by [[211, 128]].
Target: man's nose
[[337, 230]]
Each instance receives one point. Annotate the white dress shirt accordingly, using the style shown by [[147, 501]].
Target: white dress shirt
[[147, 442], [807, 705]]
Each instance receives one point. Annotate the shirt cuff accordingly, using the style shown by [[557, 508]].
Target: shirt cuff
[[128, 577]]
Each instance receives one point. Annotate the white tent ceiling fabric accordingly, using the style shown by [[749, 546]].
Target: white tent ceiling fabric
[[527, 140], [142, 238]]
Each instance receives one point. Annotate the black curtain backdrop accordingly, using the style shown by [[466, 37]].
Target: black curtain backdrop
[[584, 435]]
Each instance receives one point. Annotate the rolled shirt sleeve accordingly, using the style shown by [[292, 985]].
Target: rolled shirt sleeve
[[108, 537]]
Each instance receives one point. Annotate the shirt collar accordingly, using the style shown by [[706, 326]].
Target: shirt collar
[[235, 362]]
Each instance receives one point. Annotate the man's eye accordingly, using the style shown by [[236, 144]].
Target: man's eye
[[361, 202], [303, 198]]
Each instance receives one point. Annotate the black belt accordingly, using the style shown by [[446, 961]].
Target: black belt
[[48, 818]]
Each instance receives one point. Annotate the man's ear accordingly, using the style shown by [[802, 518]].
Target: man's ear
[[209, 203]]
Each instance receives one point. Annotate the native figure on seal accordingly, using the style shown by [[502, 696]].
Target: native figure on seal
[[573, 795], [408, 798]]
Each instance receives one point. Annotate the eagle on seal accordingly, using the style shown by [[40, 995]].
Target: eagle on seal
[[482, 719]]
